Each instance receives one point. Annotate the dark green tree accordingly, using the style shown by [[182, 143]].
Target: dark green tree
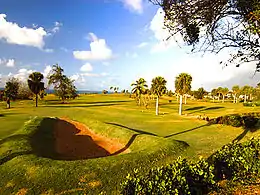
[[36, 85], [139, 88], [199, 94], [158, 88], [11, 88], [182, 87], [217, 25]]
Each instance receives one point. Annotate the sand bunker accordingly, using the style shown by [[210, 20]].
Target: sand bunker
[[74, 140]]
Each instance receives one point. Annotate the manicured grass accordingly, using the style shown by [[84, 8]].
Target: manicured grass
[[154, 140]]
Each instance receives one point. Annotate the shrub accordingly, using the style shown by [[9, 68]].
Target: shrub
[[246, 120], [251, 104], [237, 161], [181, 177]]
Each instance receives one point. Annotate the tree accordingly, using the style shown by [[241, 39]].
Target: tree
[[35, 84], [158, 88], [217, 25], [105, 91], [24, 92], [11, 88], [214, 92], [245, 91], [139, 88], [236, 91], [219, 90], [199, 94], [224, 92], [182, 86], [63, 86]]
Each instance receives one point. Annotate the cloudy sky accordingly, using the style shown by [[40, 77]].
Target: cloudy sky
[[103, 43]]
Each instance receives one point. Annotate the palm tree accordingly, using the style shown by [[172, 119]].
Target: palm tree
[[224, 92], [139, 88], [236, 91], [214, 92], [35, 84], [219, 90], [245, 90], [182, 86], [158, 88]]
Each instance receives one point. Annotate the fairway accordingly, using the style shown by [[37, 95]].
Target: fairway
[[29, 163]]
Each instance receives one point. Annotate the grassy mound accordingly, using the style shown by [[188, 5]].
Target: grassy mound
[[28, 161]]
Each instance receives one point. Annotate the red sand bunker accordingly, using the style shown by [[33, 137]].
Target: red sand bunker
[[74, 140]]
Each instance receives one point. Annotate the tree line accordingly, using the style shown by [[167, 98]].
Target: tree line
[[183, 81], [63, 86]]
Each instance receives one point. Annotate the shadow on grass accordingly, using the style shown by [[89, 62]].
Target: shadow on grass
[[135, 130], [14, 155], [75, 106], [186, 131], [195, 108], [246, 130], [129, 143], [202, 108], [57, 102]]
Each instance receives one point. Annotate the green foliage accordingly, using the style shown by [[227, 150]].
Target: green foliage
[[181, 177], [183, 83], [63, 86], [139, 88], [11, 88], [251, 104], [35, 84], [158, 87], [199, 94], [234, 161], [246, 120], [237, 161], [24, 92]]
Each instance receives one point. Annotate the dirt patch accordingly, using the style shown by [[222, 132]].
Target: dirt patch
[[74, 140]]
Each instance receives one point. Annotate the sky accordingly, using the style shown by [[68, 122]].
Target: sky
[[103, 43]]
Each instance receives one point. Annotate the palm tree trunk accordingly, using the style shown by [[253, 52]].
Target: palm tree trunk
[[234, 101], [180, 107], [185, 100], [36, 100], [157, 106], [223, 99], [245, 99], [218, 97]]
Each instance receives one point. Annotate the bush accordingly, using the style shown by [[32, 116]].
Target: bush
[[237, 161], [246, 120], [251, 104], [181, 177]]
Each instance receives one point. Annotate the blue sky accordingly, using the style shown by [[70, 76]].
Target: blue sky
[[103, 43]]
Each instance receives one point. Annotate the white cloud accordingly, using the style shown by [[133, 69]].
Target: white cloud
[[135, 5], [143, 44], [48, 50], [56, 27], [23, 74], [86, 68], [10, 63], [7, 62], [47, 71], [98, 50], [14, 34], [161, 34]]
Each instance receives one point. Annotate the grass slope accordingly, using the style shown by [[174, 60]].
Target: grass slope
[[153, 140], [27, 160]]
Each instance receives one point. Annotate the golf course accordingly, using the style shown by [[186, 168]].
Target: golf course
[[90, 144]]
